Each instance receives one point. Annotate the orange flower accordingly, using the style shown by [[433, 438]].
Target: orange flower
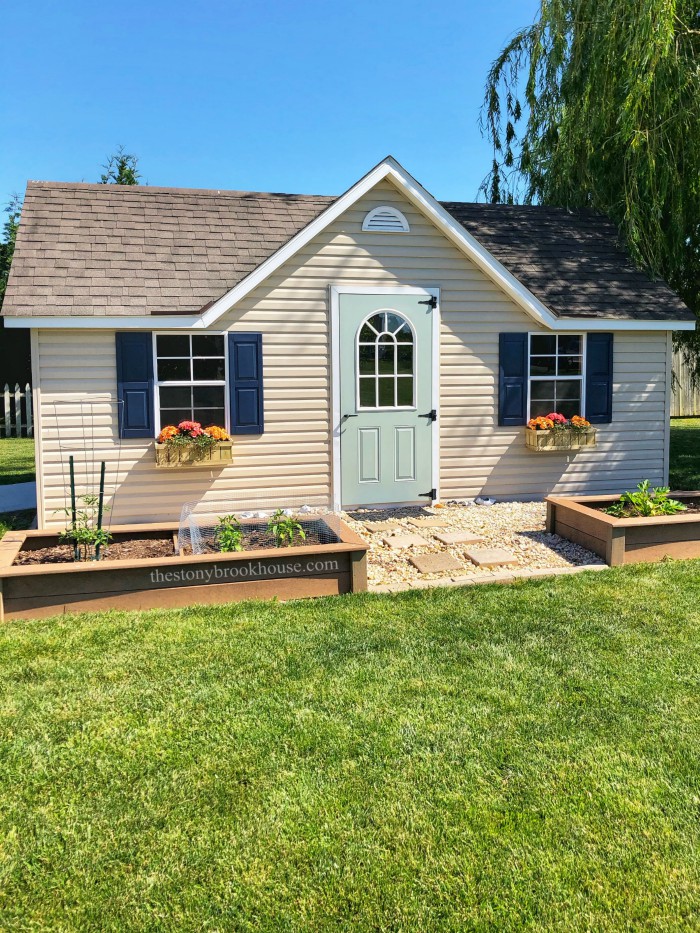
[[579, 422], [168, 431], [540, 424], [217, 433]]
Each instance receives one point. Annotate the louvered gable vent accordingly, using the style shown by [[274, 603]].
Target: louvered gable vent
[[385, 220]]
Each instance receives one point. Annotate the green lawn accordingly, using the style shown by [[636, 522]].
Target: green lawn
[[14, 521], [16, 460], [685, 453], [489, 758]]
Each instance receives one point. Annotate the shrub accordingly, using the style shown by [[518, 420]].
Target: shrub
[[228, 534], [645, 502], [285, 528]]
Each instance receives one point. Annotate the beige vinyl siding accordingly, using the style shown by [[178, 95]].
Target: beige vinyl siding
[[293, 457]]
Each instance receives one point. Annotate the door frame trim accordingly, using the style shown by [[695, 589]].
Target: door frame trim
[[335, 291]]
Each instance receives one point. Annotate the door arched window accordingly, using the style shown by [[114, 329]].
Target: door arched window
[[385, 362]]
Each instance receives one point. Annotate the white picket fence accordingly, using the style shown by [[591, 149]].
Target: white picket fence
[[16, 415]]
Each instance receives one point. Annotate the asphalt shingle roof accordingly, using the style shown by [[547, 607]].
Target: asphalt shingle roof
[[121, 250]]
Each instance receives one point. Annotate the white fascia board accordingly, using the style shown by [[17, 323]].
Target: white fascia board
[[103, 322], [587, 324], [158, 322]]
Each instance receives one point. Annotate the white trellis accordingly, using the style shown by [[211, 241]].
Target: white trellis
[[17, 411]]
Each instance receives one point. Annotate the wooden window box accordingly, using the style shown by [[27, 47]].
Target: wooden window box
[[171, 456], [548, 441]]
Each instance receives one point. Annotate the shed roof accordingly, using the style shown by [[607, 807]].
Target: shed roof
[[91, 249]]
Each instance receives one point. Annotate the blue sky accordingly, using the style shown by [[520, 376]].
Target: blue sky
[[269, 96]]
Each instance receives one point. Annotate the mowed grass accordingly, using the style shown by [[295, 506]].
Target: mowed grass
[[685, 453], [16, 460], [488, 758]]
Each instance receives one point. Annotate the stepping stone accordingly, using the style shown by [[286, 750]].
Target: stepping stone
[[401, 542], [428, 522], [381, 526], [459, 537], [435, 563], [490, 556]]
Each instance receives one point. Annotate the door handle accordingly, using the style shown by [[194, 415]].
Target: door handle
[[349, 416]]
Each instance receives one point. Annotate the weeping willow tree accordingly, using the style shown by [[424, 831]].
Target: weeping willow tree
[[597, 104]]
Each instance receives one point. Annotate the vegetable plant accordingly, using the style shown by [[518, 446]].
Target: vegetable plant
[[228, 534], [285, 528], [645, 502], [83, 532]]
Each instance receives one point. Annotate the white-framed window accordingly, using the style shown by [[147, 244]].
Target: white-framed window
[[556, 374], [190, 378], [385, 361], [385, 219]]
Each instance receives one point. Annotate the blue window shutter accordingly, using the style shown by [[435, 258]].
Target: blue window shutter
[[599, 378], [245, 382], [135, 383], [512, 379]]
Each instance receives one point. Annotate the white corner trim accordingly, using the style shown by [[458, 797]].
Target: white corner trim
[[667, 407], [38, 433], [335, 292]]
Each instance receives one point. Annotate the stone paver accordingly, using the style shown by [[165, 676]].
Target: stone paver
[[458, 537], [435, 563], [428, 522], [490, 556], [381, 526], [401, 542]]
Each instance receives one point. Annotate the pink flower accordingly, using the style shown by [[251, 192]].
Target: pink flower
[[557, 418], [191, 428]]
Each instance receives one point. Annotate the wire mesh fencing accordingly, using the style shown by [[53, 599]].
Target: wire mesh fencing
[[207, 527]]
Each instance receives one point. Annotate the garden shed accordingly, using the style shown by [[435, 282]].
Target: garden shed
[[376, 348]]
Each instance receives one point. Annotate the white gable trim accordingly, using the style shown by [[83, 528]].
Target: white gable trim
[[426, 203], [388, 169]]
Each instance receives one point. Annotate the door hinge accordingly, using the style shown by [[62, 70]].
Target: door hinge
[[430, 415], [432, 301], [431, 494]]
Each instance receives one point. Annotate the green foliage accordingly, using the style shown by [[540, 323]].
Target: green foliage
[[121, 169], [645, 502], [83, 533], [684, 470], [228, 534], [9, 238], [597, 104], [201, 441], [16, 521], [16, 460], [285, 528]]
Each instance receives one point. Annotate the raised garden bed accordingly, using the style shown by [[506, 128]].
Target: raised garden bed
[[38, 577], [626, 540]]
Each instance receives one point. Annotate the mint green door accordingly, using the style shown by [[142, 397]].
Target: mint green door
[[386, 398]]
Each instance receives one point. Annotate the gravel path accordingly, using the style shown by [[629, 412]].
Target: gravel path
[[519, 527]]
